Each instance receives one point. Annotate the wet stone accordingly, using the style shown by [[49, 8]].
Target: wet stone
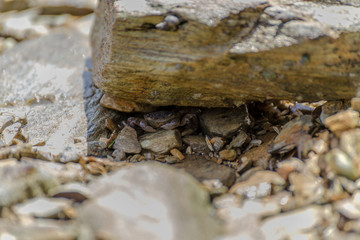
[[127, 141], [224, 122], [203, 169], [293, 133], [161, 142]]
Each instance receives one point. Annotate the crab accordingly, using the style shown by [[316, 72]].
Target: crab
[[166, 120]]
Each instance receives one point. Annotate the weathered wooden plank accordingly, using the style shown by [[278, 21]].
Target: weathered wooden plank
[[223, 52]]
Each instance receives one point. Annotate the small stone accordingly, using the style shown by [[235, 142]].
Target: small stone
[[171, 159], [239, 140], [282, 226], [217, 143], [224, 122], [306, 187], [97, 148], [75, 191], [355, 104], [176, 153], [208, 144], [161, 142], [348, 208], [127, 141], [215, 187], [118, 155], [229, 155], [227, 200], [293, 133], [6, 120], [43, 207], [259, 185], [10, 132], [123, 105], [349, 143], [330, 108], [284, 168], [340, 163], [197, 143], [203, 169], [342, 121]]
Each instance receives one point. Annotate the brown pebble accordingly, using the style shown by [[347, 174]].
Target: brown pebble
[[228, 154], [176, 153]]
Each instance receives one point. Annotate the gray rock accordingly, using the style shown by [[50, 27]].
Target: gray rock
[[196, 142], [224, 122], [127, 141], [162, 141], [203, 169], [118, 155], [149, 201]]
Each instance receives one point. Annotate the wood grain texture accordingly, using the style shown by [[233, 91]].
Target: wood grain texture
[[225, 52]]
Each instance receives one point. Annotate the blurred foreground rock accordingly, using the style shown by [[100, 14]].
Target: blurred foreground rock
[[149, 201], [222, 53]]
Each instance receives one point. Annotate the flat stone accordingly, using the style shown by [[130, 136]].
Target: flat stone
[[203, 169], [161, 142], [224, 122], [127, 141], [196, 142], [149, 201]]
